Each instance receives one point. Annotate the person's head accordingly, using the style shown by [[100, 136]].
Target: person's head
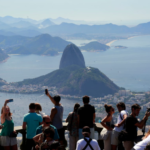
[[7, 111], [86, 131], [76, 106], [135, 109], [38, 107], [48, 133], [109, 109], [46, 121], [57, 98], [86, 99], [32, 106], [147, 146], [121, 106]]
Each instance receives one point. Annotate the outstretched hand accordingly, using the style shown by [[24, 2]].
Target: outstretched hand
[[147, 114]]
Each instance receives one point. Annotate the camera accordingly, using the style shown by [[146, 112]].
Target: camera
[[148, 110]]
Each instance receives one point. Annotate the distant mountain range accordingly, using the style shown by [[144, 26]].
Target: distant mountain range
[[19, 26], [3, 55], [41, 45]]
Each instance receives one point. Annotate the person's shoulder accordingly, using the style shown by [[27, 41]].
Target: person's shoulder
[[37, 115], [39, 127], [95, 141], [80, 141], [124, 112], [26, 115], [91, 106], [53, 127]]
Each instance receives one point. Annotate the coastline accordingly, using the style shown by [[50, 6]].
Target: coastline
[[4, 60], [109, 43]]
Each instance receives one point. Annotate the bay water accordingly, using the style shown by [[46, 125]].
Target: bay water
[[128, 68]]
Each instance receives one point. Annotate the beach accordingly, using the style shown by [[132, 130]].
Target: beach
[[109, 44]]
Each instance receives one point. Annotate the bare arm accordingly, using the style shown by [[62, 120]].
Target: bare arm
[[24, 125], [67, 120], [36, 138], [142, 122], [122, 122], [53, 113], [4, 110], [51, 98], [103, 122]]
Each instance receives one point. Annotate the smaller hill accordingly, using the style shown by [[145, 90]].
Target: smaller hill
[[96, 46], [72, 56], [3, 56]]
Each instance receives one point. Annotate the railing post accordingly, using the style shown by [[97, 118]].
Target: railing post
[[23, 143]]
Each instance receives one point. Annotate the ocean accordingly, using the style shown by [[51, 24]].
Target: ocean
[[128, 68]]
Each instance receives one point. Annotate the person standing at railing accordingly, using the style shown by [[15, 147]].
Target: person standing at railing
[[86, 117], [73, 133], [57, 115], [131, 124], [119, 127], [8, 135], [31, 120], [108, 125]]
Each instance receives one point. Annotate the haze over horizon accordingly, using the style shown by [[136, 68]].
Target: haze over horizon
[[97, 11]]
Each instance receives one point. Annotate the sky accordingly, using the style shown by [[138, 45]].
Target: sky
[[87, 10]]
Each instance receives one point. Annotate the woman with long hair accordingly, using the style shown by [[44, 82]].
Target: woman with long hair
[[8, 135], [142, 144], [73, 133], [107, 123], [38, 109]]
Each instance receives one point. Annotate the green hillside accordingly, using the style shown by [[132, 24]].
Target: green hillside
[[41, 45], [94, 46], [75, 80]]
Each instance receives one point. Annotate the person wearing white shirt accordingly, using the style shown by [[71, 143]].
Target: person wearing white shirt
[[119, 126], [87, 143], [142, 145]]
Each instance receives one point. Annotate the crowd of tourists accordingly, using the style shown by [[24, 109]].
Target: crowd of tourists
[[46, 132]]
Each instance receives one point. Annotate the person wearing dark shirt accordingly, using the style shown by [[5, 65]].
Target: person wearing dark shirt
[[86, 117], [131, 125]]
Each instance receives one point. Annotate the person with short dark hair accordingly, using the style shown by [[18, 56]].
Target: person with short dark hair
[[47, 123], [57, 115], [87, 143], [118, 127], [131, 124], [86, 116], [107, 123], [32, 120], [73, 120]]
